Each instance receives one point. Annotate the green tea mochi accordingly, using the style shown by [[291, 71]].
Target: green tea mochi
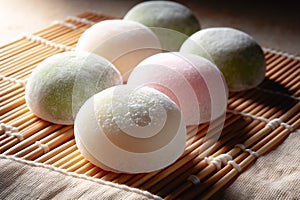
[[235, 53], [60, 84], [172, 22]]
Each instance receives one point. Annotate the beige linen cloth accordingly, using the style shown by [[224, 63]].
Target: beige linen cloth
[[22, 181], [274, 176]]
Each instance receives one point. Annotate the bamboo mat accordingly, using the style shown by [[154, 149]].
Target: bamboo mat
[[257, 120]]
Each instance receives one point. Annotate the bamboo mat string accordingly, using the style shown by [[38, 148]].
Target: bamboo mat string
[[11, 131], [13, 80], [273, 123], [58, 152], [48, 42], [66, 24], [31, 130], [222, 159], [43, 139], [81, 20], [273, 51], [241, 146], [44, 147]]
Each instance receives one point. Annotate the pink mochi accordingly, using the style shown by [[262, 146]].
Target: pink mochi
[[195, 84]]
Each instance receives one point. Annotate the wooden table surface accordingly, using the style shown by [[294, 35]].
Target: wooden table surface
[[273, 24]]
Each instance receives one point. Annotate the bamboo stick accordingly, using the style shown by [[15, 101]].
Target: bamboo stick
[[61, 155], [274, 60], [7, 46], [11, 105], [66, 159], [72, 161], [57, 153], [17, 149], [30, 64], [284, 74], [100, 174], [22, 46], [92, 172], [6, 139], [86, 168], [277, 66], [27, 57], [12, 99], [12, 94], [14, 146], [295, 87], [78, 165], [50, 141], [18, 111]]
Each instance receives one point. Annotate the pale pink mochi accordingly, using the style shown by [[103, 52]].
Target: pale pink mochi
[[195, 84]]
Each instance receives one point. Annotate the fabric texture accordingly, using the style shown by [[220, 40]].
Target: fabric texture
[[20, 179], [275, 175]]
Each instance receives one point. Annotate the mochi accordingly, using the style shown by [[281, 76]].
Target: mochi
[[193, 82], [124, 43], [128, 129], [60, 84], [172, 22], [235, 53]]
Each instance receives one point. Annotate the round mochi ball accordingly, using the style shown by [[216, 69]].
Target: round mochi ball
[[193, 82], [124, 43], [60, 84], [172, 22], [129, 129], [237, 55]]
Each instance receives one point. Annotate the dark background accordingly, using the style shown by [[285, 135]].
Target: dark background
[[274, 24]]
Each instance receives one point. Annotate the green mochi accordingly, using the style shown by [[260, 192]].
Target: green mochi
[[234, 52], [60, 84], [170, 21]]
